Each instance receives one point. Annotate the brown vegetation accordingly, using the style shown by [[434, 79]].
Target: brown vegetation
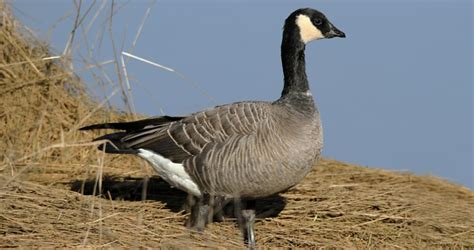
[[57, 190]]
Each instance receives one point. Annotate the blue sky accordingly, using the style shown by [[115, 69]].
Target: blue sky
[[395, 94]]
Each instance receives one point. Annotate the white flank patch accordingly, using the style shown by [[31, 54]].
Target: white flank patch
[[171, 172], [308, 32]]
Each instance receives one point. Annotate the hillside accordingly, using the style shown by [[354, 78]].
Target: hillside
[[57, 190]]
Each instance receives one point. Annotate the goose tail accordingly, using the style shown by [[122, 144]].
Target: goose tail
[[135, 125], [114, 145], [115, 142]]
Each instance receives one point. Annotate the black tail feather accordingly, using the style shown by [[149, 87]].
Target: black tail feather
[[114, 144], [135, 125]]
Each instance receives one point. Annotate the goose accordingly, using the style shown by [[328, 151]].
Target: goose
[[241, 151]]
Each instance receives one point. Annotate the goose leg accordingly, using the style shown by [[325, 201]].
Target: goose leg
[[249, 235], [201, 213], [218, 205], [246, 219]]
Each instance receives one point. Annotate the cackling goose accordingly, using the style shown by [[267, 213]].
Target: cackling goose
[[245, 150]]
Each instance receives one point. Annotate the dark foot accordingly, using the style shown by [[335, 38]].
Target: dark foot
[[204, 210], [246, 218], [218, 204], [199, 217], [249, 222], [201, 213]]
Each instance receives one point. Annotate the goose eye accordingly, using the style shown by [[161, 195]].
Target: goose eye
[[317, 21]]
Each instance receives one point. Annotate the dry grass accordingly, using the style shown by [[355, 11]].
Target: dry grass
[[57, 190]]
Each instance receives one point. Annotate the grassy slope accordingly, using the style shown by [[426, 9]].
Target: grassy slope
[[337, 204]]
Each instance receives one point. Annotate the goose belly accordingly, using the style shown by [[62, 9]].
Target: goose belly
[[286, 165], [251, 173], [280, 176], [171, 172]]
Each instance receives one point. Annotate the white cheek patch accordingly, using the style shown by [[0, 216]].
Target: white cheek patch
[[171, 172], [308, 32]]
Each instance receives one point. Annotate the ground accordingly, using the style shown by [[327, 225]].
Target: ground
[[337, 205]]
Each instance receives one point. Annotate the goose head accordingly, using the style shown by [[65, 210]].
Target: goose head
[[313, 25], [301, 27]]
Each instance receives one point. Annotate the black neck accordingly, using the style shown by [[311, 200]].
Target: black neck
[[294, 68]]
